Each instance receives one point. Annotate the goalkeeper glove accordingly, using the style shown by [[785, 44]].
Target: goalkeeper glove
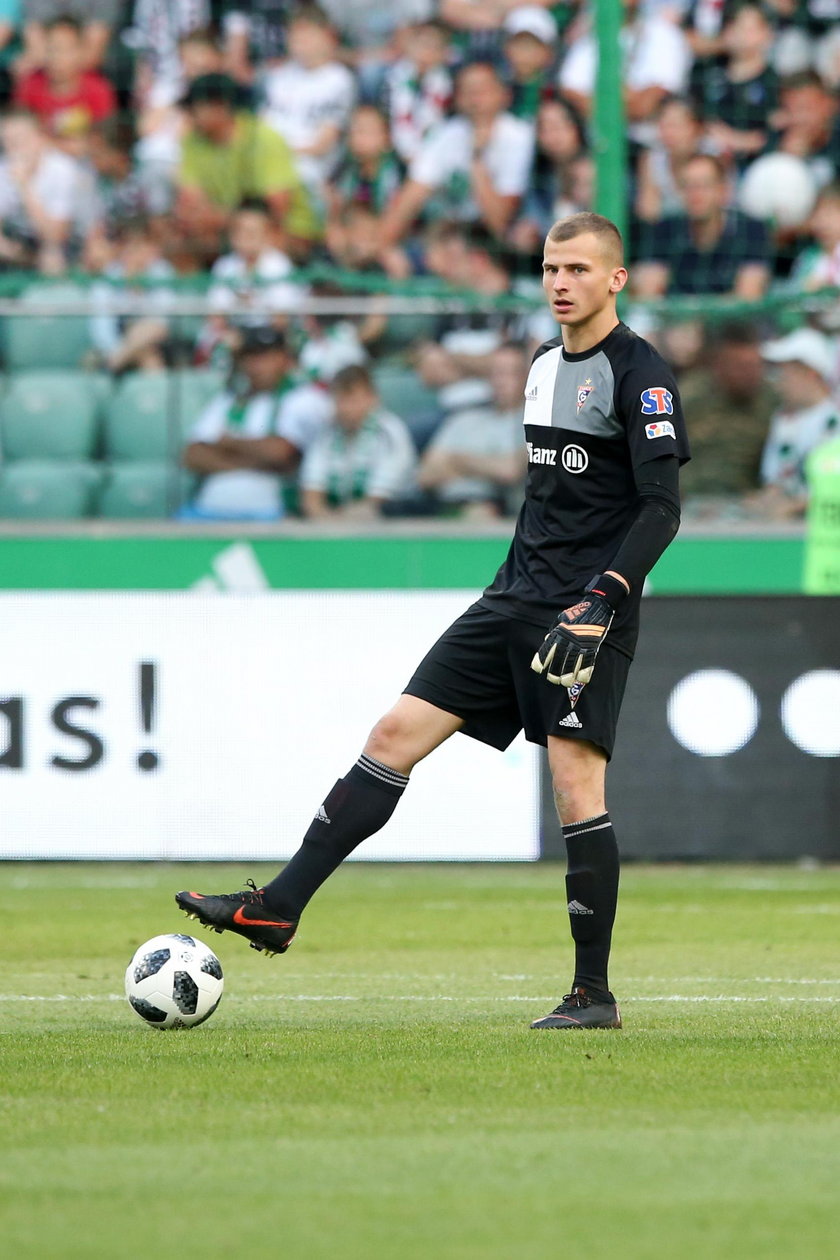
[[567, 654]]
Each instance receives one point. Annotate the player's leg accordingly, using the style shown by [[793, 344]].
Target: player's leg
[[361, 803], [358, 806], [578, 771]]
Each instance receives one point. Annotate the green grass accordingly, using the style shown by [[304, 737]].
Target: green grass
[[376, 1093]]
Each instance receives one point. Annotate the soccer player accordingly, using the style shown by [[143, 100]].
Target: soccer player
[[605, 439]]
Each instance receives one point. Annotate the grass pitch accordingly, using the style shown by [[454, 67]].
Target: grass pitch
[[376, 1093]]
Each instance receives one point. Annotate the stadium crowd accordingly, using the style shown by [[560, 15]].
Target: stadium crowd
[[281, 149]]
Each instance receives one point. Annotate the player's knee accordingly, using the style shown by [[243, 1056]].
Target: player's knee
[[575, 801], [390, 742]]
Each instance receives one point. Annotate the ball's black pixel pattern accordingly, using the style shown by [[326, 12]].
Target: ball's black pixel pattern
[[212, 967], [150, 964], [185, 992]]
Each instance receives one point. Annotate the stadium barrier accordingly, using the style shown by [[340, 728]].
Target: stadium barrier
[[187, 706]]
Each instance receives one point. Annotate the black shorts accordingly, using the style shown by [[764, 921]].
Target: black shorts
[[480, 670]]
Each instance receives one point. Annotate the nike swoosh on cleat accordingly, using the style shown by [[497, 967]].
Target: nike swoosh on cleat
[[240, 918]]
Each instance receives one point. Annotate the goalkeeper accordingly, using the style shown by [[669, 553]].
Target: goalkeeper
[[605, 438]]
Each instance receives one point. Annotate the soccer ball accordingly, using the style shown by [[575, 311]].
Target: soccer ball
[[174, 981], [780, 188]]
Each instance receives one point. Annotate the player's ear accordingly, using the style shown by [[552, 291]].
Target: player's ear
[[619, 279]]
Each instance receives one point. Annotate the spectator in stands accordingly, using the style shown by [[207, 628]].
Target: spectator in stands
[[710, 248], [98, 19], [530, 52], [250, 285], [308, 98], [702, 22], [808, 416], [370, 34], [330, 344], [354, 241], [478, 23], [561, 143], [229, 156], [418, 86], [728, 403], [254, 35], [476, 164], [44, 197], [456, 361], [679, 135], [371, 173], [360, 461], [248, 442], [162, 122], [819, 267], [807, 124], [158, 31], [120, 192], [67, 98], [476, 460], [138, 276], [656, 64], [736, 96]]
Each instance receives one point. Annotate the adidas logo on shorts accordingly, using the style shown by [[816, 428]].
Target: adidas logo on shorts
[[571, 719]]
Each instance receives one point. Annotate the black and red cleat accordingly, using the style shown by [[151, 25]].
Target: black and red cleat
[[244, 912], [579, 1010]]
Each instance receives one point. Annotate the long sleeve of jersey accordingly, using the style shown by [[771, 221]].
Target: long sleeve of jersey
[[656, 522]]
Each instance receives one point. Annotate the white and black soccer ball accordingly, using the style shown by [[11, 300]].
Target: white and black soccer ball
[[174, 981]]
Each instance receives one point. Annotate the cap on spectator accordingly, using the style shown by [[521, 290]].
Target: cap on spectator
[[807, 346], [216, 88], [257, 340], [530, 19]]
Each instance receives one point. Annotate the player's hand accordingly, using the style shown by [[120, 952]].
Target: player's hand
[[568, 652]]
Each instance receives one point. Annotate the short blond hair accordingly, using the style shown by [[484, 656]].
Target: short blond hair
[[589, 223]]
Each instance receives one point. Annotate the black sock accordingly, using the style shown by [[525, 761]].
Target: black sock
[[592, 890], [359, 805]]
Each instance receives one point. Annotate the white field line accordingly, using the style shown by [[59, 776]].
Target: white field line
[[420, 997]]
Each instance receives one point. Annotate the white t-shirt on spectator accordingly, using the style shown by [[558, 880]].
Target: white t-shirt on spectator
[[655, 53], [484, 431], [444, 159], [377, 462], [299, 102], [236, 286], [297, 415], [59, 185]]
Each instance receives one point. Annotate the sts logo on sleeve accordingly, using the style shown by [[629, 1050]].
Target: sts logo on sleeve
[[657, 401]]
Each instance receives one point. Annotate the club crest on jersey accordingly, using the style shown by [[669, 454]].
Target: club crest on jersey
[[660, 428], [574, 691], [584, 391], [657, 401]]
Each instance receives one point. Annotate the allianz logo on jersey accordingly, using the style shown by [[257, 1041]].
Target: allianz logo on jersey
[[572, 457]]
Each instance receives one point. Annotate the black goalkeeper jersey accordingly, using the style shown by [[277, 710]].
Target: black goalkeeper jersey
[[591, 420]]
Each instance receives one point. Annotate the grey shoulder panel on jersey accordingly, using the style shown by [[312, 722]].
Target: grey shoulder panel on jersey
[[584, 394]]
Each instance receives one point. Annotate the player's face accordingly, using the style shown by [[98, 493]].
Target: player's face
[[580, 278]]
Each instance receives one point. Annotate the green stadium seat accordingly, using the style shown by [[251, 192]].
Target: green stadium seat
[[143, 489], [402, 392], [45, 340], [49, 415], [34, 489], [149, 414]]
